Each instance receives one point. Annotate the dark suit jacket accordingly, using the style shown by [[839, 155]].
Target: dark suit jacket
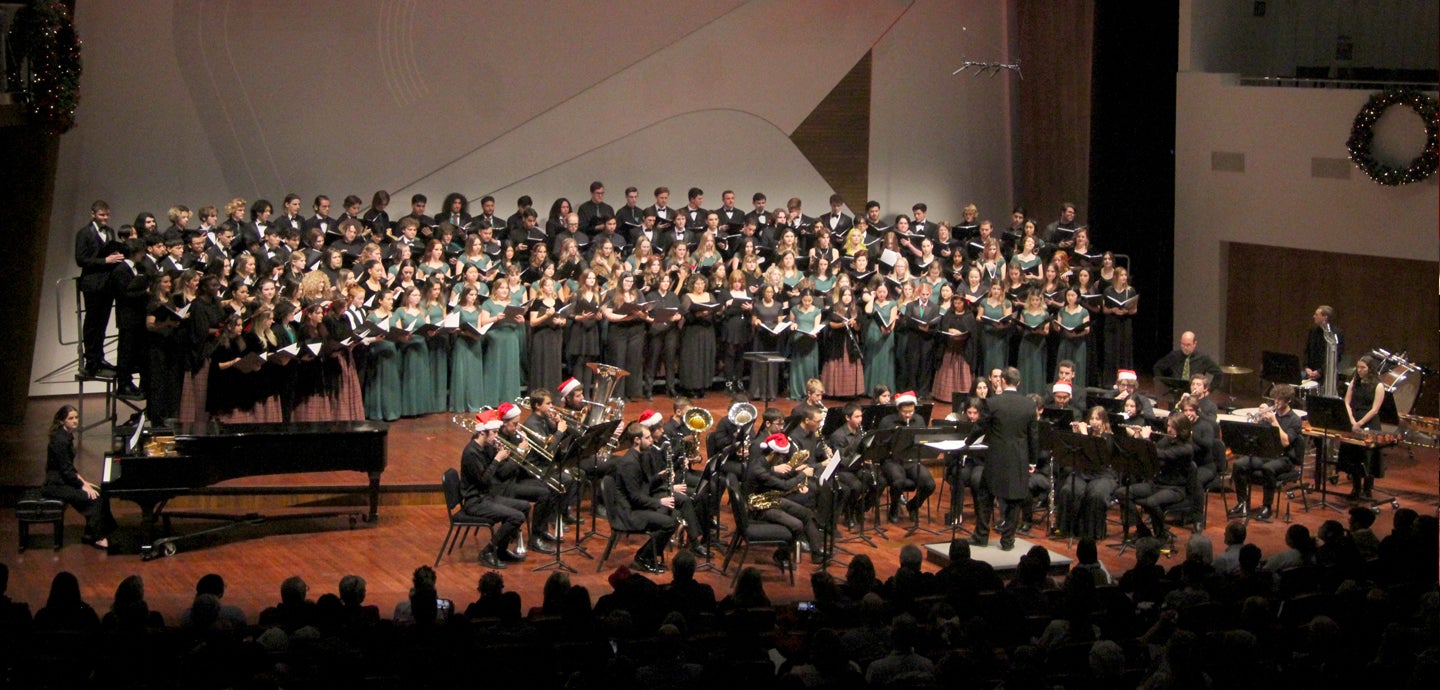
[[90, 257], [131, 291], [1172, 364], [843, 225], [1010, 431]]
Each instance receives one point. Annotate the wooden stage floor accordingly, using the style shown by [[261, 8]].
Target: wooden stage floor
[[255, 559]]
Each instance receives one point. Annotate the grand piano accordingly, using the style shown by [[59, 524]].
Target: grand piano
[[155, 469]]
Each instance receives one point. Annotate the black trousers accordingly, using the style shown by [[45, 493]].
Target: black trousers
[[903, 476], [98, 305], [796, 518], [98, 523], [662, 349], [661, 528], [1009, 515], [546, 502], [507, 513], [1263, 470]]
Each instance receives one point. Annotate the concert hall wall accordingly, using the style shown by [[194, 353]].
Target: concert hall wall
[[1268, 166], [196, 102]]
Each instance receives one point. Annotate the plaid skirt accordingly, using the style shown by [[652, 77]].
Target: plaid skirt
[[843, 377], [953, 376], [192, 397], [349, 404]]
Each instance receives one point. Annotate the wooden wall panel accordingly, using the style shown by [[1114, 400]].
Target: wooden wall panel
[[1379, 302], [1055, 44], [835, 138]]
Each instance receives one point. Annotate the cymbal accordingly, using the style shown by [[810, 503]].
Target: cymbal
[[1234, 369], [1347, 372]]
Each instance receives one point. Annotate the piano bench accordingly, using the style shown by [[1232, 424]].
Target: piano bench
[[34, 509]]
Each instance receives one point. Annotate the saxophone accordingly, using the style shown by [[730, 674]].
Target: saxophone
[[769, 499]]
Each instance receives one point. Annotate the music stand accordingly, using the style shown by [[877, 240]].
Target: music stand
[[1176, 387], [872, 414], [589, 443], [1331, 417], [567, 459], [1111, 405], [1280, 367], [1059, 417], [764, 384], [1133, 457], [1079, 452], [909, 447], [834, 419], [874, 448], [830, 491]]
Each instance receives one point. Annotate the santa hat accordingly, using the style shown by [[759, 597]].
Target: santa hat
[[777, 443], [488, 420], [508, 411], [568, 386], [649, 418], [1062, 387], [906, 398], [1126, 375]]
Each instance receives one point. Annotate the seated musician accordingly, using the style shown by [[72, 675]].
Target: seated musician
[[1041, 478], [1174, 474], [636, 506], [546, 423], [1062, 397], [1200, 391], [1083, 497], [1186, 361], [1267, 470], [668, 468], [1205, 434], [723, 438], [965, 470], [769, 483], [846, 442], [903, 474], [1125, 388], [806, 436], [515, 482], [479, 464]]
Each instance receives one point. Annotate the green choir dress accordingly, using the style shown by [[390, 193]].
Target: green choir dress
[[1031, 358], [994, 343], [440, 345], [502, 359], [382, 380], [879, 352], [1073, 349], [804, 352], [417, 388], [467, 367]]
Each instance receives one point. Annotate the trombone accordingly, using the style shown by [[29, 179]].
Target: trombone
[[521, 457], [573, 418]]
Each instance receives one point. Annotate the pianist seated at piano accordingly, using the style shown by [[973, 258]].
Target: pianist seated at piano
[[1362, 399], [63, 483]]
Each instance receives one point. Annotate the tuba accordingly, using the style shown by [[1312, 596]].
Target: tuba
[[607, 379], [769, 499], [697, 421]]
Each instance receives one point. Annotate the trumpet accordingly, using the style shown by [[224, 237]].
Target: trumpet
[[573, 418], [520, 458]]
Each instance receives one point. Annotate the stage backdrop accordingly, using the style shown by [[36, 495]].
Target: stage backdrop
[[196, 102]]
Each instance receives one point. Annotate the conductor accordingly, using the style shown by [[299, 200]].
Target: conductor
[[1011, 433]]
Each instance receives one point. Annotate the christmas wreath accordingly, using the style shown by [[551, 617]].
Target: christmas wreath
[[45, 38], [1362, 134]]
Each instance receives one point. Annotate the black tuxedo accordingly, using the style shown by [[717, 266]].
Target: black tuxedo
[[837, 223], [1011, 432], [590, 212], [694, 218], [731, 219], [92, 244], [762, 220], [662, 222], [326, 224], [130, 288], [919, 358]]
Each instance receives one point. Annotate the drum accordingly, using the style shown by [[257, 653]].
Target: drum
[[1402, 380]]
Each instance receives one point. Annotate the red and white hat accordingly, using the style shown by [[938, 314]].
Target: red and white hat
[[1062, 387], [568, 386], [508, 411], [488, 420], [1126, 375], [649, 418], [777, 443], [906, 398]]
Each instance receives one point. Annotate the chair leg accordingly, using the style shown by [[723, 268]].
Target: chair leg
[[443, 544], [24, 535], [59, 533], [744, 551], [609, 546], [734, 544]]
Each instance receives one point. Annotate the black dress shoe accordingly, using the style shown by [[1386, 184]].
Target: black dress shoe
[[977, 540], [1025, 527], [781, 557], [129, 391], [647, 566], [1264, 514], [817, 557], [1239, 510], [542, 546], [1007, 545], [700, 550], [490, 560], [571, 518]]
